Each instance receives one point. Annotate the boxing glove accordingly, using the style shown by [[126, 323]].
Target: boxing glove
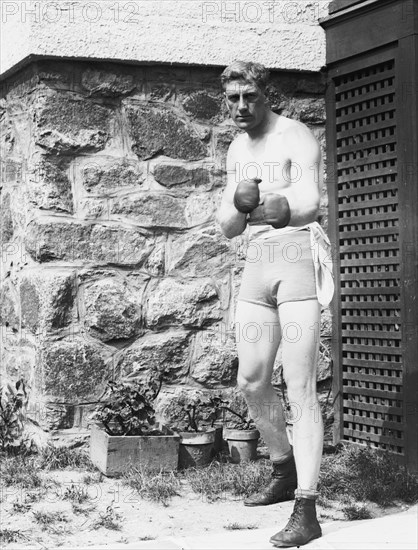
[[247, 195], [273, 210]]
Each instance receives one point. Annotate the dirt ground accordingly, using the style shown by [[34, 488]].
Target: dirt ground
[[52, 522]]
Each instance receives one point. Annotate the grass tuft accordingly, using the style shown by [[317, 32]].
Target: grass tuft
[[158, 487], [109, 520], [20, 470], [366, 474], [356, 511], [76, 493], [220, 479], [239, 526], [60, 458], [53, 522], [10, 535]]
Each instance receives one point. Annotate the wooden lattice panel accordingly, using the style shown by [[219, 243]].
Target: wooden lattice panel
[[368, 233]]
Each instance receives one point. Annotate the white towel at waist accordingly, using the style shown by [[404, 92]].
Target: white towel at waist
[[321, 255]]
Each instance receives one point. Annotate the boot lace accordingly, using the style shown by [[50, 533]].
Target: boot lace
[[295, 516]]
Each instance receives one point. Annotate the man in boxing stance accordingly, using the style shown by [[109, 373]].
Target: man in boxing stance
[[273, 187]]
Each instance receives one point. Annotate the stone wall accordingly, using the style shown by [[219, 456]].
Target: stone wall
[[112, 261]]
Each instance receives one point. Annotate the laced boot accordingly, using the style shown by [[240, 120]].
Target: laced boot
[[302, 526], [281, 487]]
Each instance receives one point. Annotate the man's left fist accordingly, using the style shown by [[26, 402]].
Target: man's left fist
[[273, 210]]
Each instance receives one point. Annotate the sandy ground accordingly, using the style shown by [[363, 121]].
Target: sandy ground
[[185, 515]]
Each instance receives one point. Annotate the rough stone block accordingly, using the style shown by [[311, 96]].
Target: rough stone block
[[9, 306], [18, 360], [200, 209], [68, 125], [205, 106], [11, 169], [223, 139], [107, 84], [109, 175], [214, 362], [173, 175], [74, 370], [188, 303], [161, 93], [164, 353], [205, 251], [326, 323], [112, 310], [49, 186], [152, 210], [47, 240], [311, 111], [46, 300], [6, 222], [93, 209], [157, 130]]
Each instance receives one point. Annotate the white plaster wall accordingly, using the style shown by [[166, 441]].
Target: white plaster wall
[[281, 34]]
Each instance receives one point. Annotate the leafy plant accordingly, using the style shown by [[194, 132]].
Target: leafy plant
[[109, 519], [200, 410], [128, 407], [12, 415], [244, 422]]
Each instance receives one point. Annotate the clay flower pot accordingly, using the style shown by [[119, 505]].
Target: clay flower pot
[[242, 444], [196, 448]]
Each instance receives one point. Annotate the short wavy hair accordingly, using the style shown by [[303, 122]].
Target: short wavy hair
[[246, 71]]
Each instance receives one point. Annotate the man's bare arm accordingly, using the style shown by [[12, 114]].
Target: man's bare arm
[[304, 174], [232, 221]]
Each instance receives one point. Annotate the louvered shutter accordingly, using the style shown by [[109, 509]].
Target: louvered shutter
[[372, 147]]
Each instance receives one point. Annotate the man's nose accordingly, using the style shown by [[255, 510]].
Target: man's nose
[[242, 105]]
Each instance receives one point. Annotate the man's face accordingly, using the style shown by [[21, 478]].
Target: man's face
[[246, 104]]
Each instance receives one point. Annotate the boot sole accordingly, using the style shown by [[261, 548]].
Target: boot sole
[[253, 505], [285, 545], [289, 496]]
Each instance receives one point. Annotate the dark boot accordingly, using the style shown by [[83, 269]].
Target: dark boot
[[282, 486], [302, 526]]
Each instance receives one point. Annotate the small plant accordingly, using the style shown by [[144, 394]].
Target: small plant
[[82, 508], [221, 479], [158, 487], [239, 526], [59, 458], [200, 410], [128, 408], [356, 511], [13, 401], [21, 470], [238, 421], [366, 474], [76, 493], [21, 507], [50, 519], [109, 520], [92, 479], [10, 535]]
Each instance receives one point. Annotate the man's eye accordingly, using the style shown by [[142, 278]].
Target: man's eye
[[233, 98], [251, 97]]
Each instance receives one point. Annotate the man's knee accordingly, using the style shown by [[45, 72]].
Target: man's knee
[[251, 385]]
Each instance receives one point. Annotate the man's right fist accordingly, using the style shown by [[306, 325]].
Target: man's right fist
[[247, 195]]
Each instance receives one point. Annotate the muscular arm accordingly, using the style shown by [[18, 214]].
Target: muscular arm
[[304, 172], [232, 221]]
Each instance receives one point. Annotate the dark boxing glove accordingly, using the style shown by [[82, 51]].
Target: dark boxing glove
[[247, 195], [273, 210]]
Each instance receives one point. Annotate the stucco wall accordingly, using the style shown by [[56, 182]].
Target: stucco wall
[[281, 34]]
